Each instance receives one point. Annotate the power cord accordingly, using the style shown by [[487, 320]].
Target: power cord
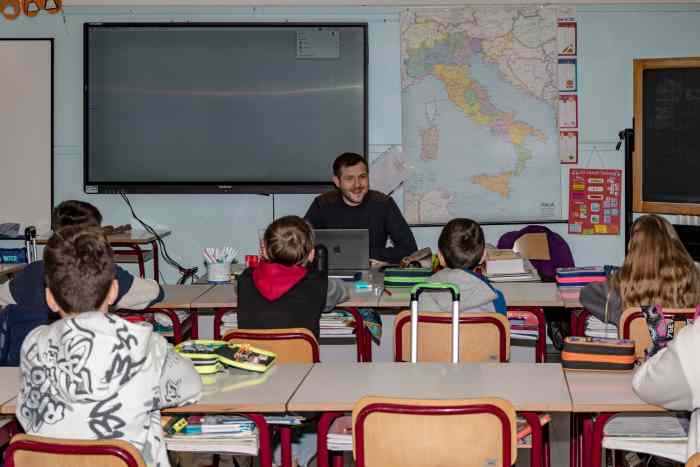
[[185, 273]]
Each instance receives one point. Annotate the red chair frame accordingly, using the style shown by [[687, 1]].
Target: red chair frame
[[54, 448], [431, 411], [541, 342], [463, 319], [133, 249]]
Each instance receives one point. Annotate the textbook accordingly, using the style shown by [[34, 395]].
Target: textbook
[[504, 262]]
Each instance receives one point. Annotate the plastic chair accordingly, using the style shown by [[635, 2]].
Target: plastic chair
[[412, 433], [37, 451], [694, 460], [633, 326], [483, 337], [292, 345]]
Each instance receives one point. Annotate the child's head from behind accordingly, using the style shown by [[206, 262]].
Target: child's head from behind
[[657, 269], [74, 212], [289, 240], [79, 271], [461, 244]]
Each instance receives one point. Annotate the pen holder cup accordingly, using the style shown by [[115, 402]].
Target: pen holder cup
[[219, 272]]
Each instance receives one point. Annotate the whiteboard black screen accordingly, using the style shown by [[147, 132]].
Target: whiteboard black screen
[[220, 104], [671, 135]]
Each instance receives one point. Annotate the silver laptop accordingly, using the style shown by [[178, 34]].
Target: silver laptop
[[348, 250]]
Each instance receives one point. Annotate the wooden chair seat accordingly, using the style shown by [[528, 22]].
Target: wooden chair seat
[[694, 460], [292, 345], [37, 451], [413, 433], [483, 337], [633, 326]]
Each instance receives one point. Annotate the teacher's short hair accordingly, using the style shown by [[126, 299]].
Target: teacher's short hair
[[347, 159]]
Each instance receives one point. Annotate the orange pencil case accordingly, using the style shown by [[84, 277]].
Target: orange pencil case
[[597, 353]]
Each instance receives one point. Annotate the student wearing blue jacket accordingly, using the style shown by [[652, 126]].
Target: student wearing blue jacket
[[24, 297], [461, 248]]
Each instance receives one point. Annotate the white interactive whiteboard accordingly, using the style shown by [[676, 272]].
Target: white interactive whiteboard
[[26, 131]]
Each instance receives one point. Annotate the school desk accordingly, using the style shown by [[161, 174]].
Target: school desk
[[128, 248], [223, 299], [252, 394], [178, 297], [335, 388], [596, 397], [10, 384]]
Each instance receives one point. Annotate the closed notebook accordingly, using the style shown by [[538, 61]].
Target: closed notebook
[[598, 353]]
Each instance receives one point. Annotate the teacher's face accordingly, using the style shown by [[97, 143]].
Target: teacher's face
[[353, 183]]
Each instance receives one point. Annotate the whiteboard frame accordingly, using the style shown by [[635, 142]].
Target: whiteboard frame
[[23, 188]]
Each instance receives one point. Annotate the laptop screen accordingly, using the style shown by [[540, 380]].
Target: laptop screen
[[348, 249]]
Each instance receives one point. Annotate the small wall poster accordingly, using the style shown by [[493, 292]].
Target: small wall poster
[[568, 147], [595, 201], [567, 74], [568, 111], [566, 38]]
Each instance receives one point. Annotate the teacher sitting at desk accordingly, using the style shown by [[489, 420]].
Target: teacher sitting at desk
[[354, 206]]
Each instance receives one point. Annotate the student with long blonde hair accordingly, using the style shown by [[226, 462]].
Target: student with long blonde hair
[[657, 271]]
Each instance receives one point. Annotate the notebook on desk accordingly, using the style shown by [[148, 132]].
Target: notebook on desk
[[348, 251]]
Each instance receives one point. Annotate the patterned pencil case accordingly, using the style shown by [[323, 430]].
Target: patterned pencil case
[[406, 277], [598, 353], [209, 356]]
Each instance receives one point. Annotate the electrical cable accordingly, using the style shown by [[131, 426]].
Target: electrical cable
[[184, 272]]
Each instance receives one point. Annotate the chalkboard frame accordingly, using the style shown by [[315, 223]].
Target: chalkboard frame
[[639, 203]]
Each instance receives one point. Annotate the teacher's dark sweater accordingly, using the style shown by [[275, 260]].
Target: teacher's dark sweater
[[377, 212]]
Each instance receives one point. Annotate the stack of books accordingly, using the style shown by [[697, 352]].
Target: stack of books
[[212, 433], [337, 324], [508, 266], [340, 434], [334, 324], [523, 325], [597, 328], [572, 280]]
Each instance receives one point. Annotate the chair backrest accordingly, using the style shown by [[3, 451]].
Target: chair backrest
[[533, 246], [483, 337], [37, 451], [559, 251], [412, 433], [694, 460], [292, 345], [633, 326]]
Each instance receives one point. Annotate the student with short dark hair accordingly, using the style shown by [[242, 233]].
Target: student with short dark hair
[[352, 205], [461, 248], [93, 375], [286, 289], [24, 298]]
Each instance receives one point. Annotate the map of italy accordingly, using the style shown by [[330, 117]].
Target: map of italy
[[479, 126]]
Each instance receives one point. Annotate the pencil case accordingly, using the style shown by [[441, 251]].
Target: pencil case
[[210, 356], [406, 277], [202, 354], [598, 353]]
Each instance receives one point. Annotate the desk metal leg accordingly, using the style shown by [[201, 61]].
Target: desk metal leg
[[156, 272], [536, 454], [265, 448], [286, 445], [596, 438], [324, 424]]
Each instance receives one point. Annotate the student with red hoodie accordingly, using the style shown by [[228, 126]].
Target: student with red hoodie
[[285, 290]]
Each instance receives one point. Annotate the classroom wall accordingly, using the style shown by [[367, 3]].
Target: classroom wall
[[610, 37]]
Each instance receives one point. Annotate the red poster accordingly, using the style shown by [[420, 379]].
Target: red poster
[[595, 201]]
